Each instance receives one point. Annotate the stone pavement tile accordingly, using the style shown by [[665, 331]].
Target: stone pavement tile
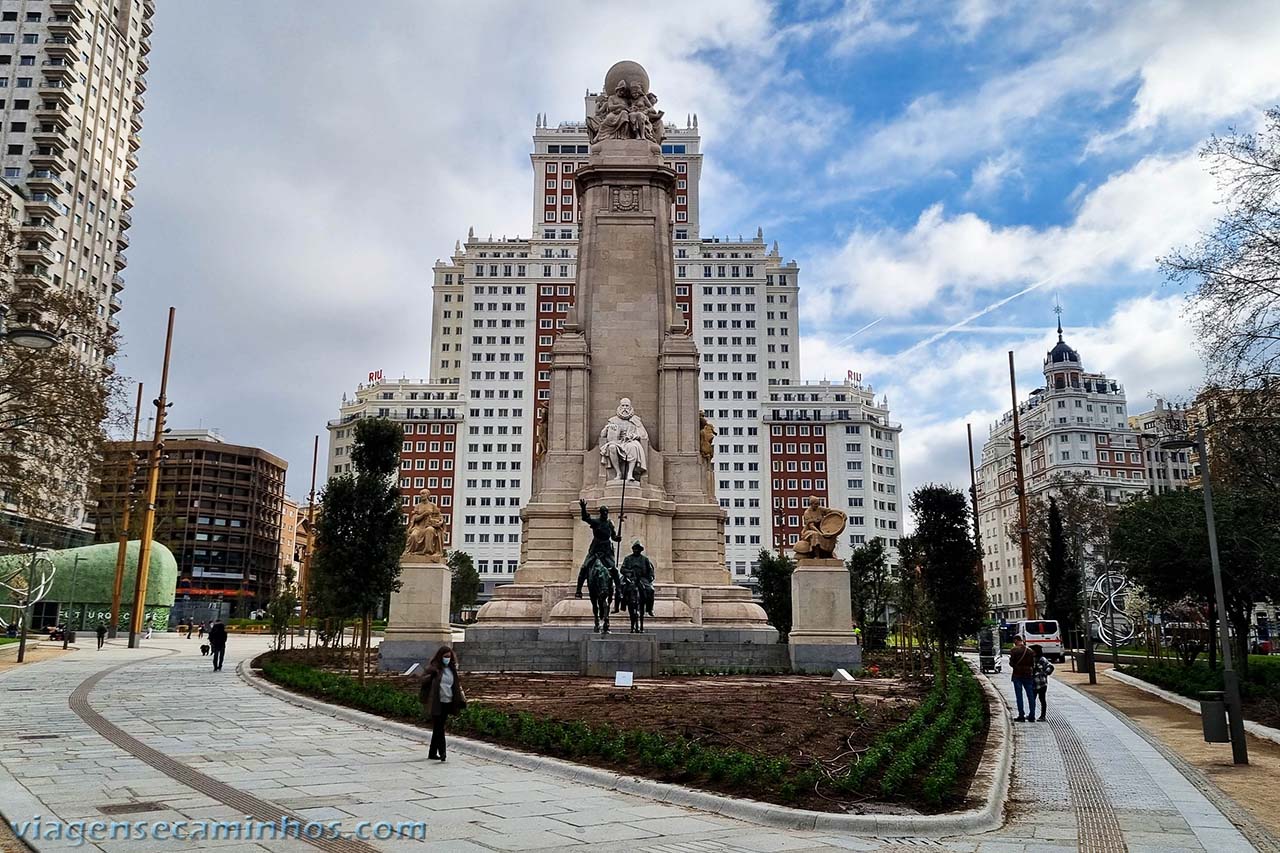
[[464, 802], [769, 842], [590, 817], [1052, 832], [1186, 840], [685, 826], [517, 825], [452, 846], [530, 841], [523, 810], [452, 790], [849, 843], [322, 813], [657, 810], [605, 832], [1223, 841], [1004, 847]]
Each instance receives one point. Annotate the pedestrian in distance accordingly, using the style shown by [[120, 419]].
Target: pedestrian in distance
[[1042, 670], [149, 625], [191, 626], [1022, 664], [218, 643], [441, 695], [200, 636], [102, 635]]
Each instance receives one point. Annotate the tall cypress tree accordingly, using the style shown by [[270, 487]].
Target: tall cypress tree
[[1060, 577], [360, 533]]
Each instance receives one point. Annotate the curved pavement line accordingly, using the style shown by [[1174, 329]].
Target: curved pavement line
[[987, 817], [245, 803]]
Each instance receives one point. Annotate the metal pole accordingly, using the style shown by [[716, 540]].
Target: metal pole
[[153, 483], [1024, 529], [1230, 680], [26, 604], [130, 466], [72, 603], [305, 579], [973, 493]]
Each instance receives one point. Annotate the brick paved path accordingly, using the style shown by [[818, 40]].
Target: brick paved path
[[167, 734]]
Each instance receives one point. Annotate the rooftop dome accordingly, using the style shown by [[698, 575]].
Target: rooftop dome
[[1061, 352]]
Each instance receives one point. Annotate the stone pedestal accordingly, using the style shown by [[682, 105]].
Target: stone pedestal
[[822, 635], [606, 656], [418, 623]]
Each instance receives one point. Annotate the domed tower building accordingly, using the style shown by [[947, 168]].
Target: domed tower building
[[1075, 427]]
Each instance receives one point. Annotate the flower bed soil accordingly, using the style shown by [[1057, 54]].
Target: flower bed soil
[[808, 722]]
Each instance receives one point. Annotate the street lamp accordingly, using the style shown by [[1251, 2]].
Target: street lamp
[[1230, 681], [27, 338]]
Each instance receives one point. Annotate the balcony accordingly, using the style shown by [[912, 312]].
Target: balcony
[[126, 220], [147, 28], [113, 324], [139, 103], [121, 261], [117, 284], [57, 69], [135, 121], [49, 135], [61, 47], [33, 277], [55, 90], [39, 228], [143, 65], [122, 241], [126, 201], [53, 114], [36, 254], [116, 304], [149, 7], [64, 26], [44, 204], [48, 158], [67, 8], [129, 180], [135, 142], [45, 180]]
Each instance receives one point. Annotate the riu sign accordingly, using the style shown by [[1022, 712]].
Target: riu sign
[[375, 375]]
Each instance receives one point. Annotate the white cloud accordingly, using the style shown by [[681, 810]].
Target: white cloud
[[1146, 344], [1197, 64], [1121, 227], [992, 173]]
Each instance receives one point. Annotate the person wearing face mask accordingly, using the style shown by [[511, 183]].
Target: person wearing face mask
[[441, 695]]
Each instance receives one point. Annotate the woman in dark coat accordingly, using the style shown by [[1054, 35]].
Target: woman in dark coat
[[441, 695]]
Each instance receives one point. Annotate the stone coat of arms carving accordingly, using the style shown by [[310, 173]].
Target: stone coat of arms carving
[[626, 199]]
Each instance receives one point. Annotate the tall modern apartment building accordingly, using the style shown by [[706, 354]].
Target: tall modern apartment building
[[72, 74], [471, 431], [1075, 424]]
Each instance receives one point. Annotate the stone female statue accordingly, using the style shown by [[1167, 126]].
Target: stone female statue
[[426, 530]]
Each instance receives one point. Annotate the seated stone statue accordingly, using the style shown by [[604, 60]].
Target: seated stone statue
[[624, 445], [426, 530], [820, 530]]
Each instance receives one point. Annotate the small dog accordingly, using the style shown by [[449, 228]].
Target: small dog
[[204, 650]]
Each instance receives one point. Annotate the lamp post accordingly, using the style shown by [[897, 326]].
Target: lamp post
[[71, 605], [1230, 680]]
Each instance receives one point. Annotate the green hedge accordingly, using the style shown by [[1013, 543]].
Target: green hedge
[[928, 748], [1263, 681]]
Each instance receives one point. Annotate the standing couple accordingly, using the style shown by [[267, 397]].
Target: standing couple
[[1030, 670]]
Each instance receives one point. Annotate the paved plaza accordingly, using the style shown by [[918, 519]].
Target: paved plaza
[[155, 735]]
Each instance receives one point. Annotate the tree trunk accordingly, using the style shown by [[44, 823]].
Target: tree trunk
[[362, 647], [1240, 624]]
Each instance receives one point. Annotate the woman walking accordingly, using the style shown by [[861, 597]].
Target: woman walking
[[441, 695], [1042, 670]]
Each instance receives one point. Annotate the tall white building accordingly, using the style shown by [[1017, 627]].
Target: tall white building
[[499, 303], [71, 84], [1077, 423]]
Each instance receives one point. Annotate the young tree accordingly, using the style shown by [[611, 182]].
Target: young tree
[[947, 557], [773, 574], [1060, 576], [464, 587], [869, 589], [1235, 268], [1162, 544], [360, 532], [280, 609]]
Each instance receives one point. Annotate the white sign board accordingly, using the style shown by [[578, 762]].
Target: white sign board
[[623, 679]]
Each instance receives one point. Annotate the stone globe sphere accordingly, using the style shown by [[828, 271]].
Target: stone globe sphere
[[632, 72]]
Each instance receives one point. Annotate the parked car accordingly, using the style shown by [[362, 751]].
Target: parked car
[[1044, 633]]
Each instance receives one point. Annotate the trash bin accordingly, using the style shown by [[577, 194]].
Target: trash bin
[[1213, 717]]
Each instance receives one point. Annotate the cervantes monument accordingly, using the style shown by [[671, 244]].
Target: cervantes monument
[[624, 410]]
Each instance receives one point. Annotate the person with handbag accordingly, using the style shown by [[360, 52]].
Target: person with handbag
[[441, 695]]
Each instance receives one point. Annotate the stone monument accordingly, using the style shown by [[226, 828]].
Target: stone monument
[[821, 635], [623, 427], [418, 622]]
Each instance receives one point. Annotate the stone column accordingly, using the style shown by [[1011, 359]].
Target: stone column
[[822, 635], [418, 623]]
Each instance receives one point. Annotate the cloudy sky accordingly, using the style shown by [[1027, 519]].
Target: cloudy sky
[[942, 172]]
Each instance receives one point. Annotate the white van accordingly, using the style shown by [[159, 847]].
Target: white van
[[1043, 633]]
